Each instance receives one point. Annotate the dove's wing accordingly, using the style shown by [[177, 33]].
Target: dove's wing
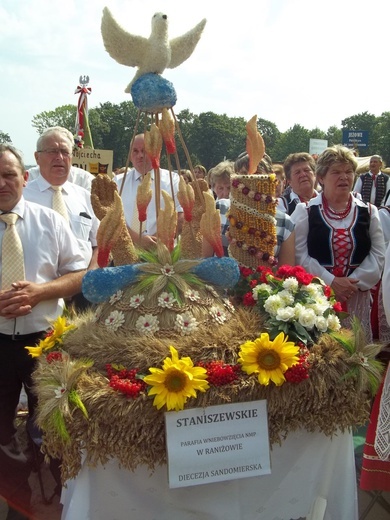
[[127, 49], [183, 46]]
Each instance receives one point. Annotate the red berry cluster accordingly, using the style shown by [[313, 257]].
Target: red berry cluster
[[53, 356], [125, 381], [219, 373], [300, 371]]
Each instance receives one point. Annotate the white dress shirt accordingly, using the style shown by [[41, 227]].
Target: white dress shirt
[[76, 175], [129, 194], [50, 251], [82, 220]]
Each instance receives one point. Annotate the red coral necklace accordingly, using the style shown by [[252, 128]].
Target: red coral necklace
[[336, 214]]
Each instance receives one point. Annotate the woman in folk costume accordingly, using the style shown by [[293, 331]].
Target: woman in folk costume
[[339, 238], [379, 325], [375, 473]]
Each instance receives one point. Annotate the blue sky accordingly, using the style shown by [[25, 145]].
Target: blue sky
[[297, 61]]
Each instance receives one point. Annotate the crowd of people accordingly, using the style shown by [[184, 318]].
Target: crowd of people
[[335, 225]]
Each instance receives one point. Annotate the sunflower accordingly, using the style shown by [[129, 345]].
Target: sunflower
[[175, 382], [59, 329], [269, 359], [53, 338], [37, 350]]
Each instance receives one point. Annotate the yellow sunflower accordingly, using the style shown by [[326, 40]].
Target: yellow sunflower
[[52, 339], [175, 382], [59, 329], [37, 350], [269, 359]]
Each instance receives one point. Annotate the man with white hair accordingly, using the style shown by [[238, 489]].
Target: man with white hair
[[53, 189]]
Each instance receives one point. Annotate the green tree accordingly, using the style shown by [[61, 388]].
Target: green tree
[[270, 134], [112, 128], [4, 138], [296, 139], [381, 137], [334, 136], [62, 116], [217, 137], [316, 133], [185, 121]]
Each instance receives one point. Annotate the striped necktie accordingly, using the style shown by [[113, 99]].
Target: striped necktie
[[58, 203], [11, 253]]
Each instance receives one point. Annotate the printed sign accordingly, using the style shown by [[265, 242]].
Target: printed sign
[[94, 161], [317, 146], [355, 138], [217, 443]]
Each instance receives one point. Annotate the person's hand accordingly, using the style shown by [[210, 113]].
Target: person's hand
[[15, 302], [344, 287]]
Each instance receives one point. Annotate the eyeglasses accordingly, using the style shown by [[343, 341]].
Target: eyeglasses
[[56, 151]]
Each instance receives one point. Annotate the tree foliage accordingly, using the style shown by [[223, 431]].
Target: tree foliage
[[209, 138], [62, 116], [295, 139], [4, 138]]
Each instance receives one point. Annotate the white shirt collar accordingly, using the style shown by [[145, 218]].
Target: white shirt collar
[[43, 184]]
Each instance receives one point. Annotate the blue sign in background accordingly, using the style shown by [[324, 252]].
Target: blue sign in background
[[355, 138]]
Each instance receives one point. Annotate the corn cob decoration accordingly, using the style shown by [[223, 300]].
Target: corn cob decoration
[[186, 197], [144, 196], [167, 222], [167, 129], [153, 145]]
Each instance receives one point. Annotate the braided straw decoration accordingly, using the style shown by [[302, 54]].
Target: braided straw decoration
[[252, 227]]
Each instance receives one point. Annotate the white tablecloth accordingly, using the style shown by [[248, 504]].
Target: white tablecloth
[[309, 471]]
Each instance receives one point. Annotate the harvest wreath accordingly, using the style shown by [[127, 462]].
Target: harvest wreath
[[82, 378]]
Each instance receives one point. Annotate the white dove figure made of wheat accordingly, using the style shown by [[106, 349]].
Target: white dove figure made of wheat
[[150, 55]]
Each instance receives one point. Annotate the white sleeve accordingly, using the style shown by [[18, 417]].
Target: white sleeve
[[358, 185], [370, 270], [282, 205], [301, 221], [175, 181], [386, 285], [384, 216]]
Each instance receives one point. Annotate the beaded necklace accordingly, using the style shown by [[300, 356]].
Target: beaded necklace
[[336, 214]]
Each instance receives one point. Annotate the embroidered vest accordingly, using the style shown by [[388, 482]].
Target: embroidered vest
[[386, 201], [381, 183], [290, 204], [319, 240]]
